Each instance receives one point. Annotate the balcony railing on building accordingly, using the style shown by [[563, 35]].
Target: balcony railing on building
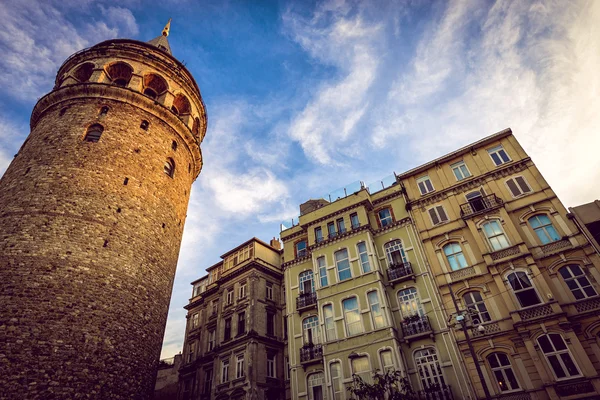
[[306, 300], [400, 272], [310, 353], [480, 205], [416, 326], [436, 392]]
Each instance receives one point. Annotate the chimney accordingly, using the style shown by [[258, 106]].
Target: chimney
[[275, 243]]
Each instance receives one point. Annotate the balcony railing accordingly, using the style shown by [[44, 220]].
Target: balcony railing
[[436, 392], [480, 205], [311, 352], [400, 272], [306, 300], [416, 325]]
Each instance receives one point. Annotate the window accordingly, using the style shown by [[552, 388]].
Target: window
[[103, 110], [195, 320], [93, 133], [150, 93], [498, 155], [287, 369], [329, 323], [211, 339], [227, 333], [241, 325], [558, 356], [394, 253], [315, 386], [438, 215], [387, 360], [352, 316], [544, 229], [239, 366], [271, 365], [224, 371], [269, 293], [577, 282], [425, 185], [174, 145], [477, 202], [310, 330], [169, 167], [364, 257], [354, 222], [215, 307], [318, 234], [335, 369], [331, 230], [340, 225], [230, 296], [376, 313], [385, 217], [523, 289], [502, 370], [495, 235], [476, 307], [191, 352], [301, 248], [361, 367], [343, 265], [208, 374], [305, 282], [409, 302], [144, 125], [460, 170], [428, 367], [322, 271], [455, 256], [518, 186], [242, 290], [270, 324]]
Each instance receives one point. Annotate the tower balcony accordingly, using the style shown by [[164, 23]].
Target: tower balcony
[[400, 272], [306, 301], [480, 205]]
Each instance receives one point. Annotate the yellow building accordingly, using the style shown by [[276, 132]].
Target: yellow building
[[360, 298], [499, 239]]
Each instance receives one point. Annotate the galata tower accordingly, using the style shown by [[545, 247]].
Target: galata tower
[[92, 210]]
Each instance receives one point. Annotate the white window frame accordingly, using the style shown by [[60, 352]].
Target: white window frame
[[358, 323], [516, 291], [389, 220], [303, 276], [438, 215], [337, 385], [392, 246], [373, 310], [316, 379], [435, 373], [576, 279], [496, 150], [322, 268], [195, 320], [239, 366], [502, 370], [242, 291], [411, 304], [455, 256], [363, 258], [337, 262], [208, 377], [224, 371], [212, 335], [329, 323], [518, 186], [313, 326], [271, 362], [365, 374], [385, 367], [423, 180], [229, 296], [269, 291], [478, 307], [557, 354], [457, 167], [543, 228], [502, 233]]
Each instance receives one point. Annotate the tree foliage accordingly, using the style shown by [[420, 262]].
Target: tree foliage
[[390, 385]]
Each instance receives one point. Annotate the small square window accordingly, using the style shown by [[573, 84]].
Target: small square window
[[425, 185], [460, 170], [498, 155]]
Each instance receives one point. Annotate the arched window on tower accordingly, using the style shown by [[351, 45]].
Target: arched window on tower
[[119, 73], [93, 133], [83, 73], [181, 105], [154, 85], [169, 167]]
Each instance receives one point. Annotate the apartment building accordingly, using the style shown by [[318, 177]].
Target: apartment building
[[235, 341], [359, 298], [525, 279]]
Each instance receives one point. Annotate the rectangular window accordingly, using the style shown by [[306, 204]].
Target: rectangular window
[[269, 293], [340, 225], [438, 215], [301, 249], [271, 366], [211, 339], [425, 185], [331, 230], [387, 360], [195, 320], [229, 296], [364, 257], [360, 367], [208, 374], [354, 220], [242, 291], [498, 155], [544, 229], [460, 170], [558, 356], [376, 312], [239, 366], [270, 324], [227, 334], [285, 328], [224, 371], [191, 349], [385, 217], [322, 271], [287, 368], [318, 234], [343, 265], [336, 381], [241, 323], [329, 323], [518, 186], [352, 316], [215, 307], [495, 235]]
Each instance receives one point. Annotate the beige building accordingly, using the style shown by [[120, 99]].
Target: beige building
[[526, 280], [587, 219], [360, 298], [234, 342]]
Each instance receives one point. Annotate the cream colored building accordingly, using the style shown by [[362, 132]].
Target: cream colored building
[[360, 298], [495, 234]]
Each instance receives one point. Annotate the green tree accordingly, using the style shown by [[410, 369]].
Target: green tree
[[390, 385]]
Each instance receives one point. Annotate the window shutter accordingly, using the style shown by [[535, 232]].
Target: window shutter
[[513, 187], [522, 184], [434, 217], [442, 213]]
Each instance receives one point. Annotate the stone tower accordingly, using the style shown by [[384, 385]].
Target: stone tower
[[92, 211]]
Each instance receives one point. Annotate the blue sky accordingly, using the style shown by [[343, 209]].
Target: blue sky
[[305, 97]]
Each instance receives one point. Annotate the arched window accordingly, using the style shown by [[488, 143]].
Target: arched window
[[343, 265], [181, 105], [83, 73], [336, 380], [523, 289], [543, 228], [352, 316], [169, 167], [394, 253], [455, 256], [495, 235], [154, 85], [476, 306], [577, 282], [196, 127], [316, 386], [409, 302], [93, 133], [503, 372], [120, 73], [558, 356], [428, 366], [306, 282], [310, 330]]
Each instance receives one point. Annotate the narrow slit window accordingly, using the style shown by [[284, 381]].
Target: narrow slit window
[[93, 133], [144, 125], [169, 168]]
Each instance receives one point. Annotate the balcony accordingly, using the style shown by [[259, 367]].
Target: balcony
[[310, 353], [416, 326], [480, 205], [436, 392], [306, 301], [400, 272]]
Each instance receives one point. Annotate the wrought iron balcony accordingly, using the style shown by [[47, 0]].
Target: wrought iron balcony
[[400, 272], [416, 326], [310, 353], [480, 205], [306, 300], [436, 392]]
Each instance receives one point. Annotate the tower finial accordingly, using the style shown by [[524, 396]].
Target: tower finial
[[165, 31]]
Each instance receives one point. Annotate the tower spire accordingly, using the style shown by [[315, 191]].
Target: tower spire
[[167, 28], [161, 41]]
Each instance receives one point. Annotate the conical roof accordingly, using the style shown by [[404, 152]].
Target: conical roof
[[161, 41]]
